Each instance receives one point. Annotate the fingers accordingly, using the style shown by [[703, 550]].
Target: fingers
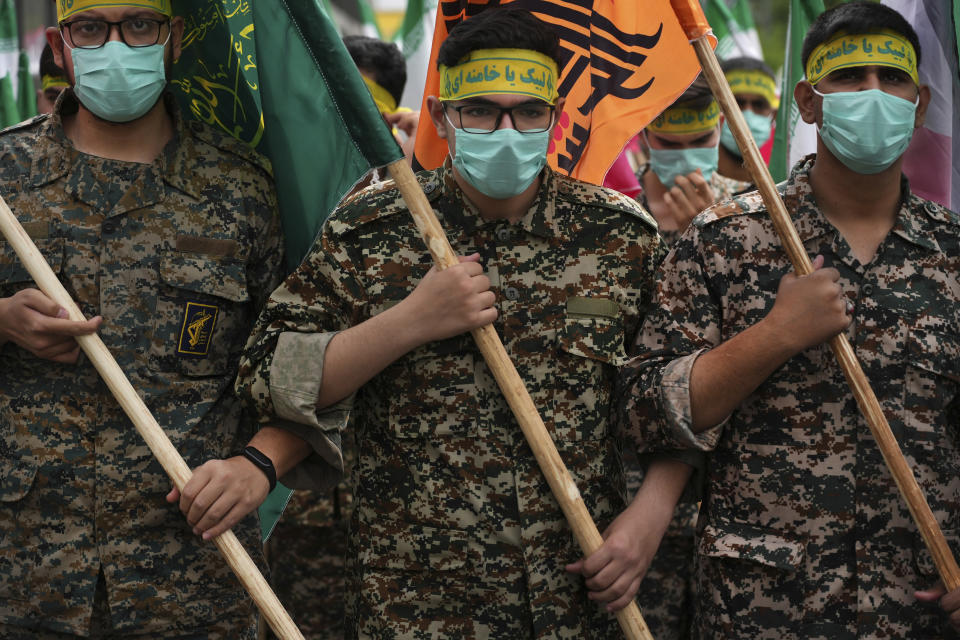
[[235, 515], [39, 302], [473, 257], [173, 496], [818, 262], [629, 594]]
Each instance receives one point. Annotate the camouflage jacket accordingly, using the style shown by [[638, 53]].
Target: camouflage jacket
[[453, 522], [802, 531], [177, 256]]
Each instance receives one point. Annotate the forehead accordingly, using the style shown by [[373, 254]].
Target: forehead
[[749, 96], [683, 138], [116, 12], [502, 99]]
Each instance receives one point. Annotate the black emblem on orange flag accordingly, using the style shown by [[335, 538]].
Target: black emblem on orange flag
[[588, 41]]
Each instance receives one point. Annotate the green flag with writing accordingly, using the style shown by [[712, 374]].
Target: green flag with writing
[[275, 74], [26, 93]]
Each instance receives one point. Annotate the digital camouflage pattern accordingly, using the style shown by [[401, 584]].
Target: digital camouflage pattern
[[667, 590], [307, 550], [802, 532], [454, 531], [177, 256]]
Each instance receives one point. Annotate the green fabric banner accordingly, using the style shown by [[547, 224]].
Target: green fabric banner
[[793, 138], [9, 114], [276, 75], [26, 93]]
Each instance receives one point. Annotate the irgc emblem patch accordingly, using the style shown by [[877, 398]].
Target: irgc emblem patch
[[197, 331]]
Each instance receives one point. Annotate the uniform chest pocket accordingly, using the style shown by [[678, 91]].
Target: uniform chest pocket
[[14, 275], [590, 350], [932, 370], [434, 390], [202, 316]]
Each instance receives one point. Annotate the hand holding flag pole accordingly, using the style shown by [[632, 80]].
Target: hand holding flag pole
[[163, 450], [696, 27], [511, 384]]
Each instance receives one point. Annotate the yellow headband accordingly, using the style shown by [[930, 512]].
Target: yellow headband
[[385, 101], [754, 81], [683, 120], [488, 71], [53, 82], [67, 8], [887, 49]]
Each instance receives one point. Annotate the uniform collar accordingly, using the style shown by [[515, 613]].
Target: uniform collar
[[539, 220], [57, 157], [810, 223]]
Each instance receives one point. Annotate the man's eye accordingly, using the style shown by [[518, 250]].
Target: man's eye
[[137, 25], [477, 112], [894, 75], [531, 112], [89, 27]]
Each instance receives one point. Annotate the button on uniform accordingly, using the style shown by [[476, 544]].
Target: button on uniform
[[867, 290], [109, 226], [511, 293], [503, 234]]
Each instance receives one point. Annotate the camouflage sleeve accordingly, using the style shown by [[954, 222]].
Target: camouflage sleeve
[[265, 270], [683, 323], [282, 365]]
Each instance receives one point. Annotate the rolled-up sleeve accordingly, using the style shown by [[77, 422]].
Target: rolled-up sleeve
[[281, 369], [684, 323]]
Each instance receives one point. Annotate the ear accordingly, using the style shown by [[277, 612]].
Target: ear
[[436, 114], [176, 37], [807, 101], [55, 40], [922, 106]]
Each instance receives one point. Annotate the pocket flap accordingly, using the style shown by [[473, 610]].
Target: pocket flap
[[12, 271], [17, 479], [756, 544], [416, 548], [222, 277], [595, 337], [935, 351]]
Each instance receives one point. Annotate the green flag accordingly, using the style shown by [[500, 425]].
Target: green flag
[[275, 74], [8, 104], [9, 44], [734, 28], [793, 138], [26, 93], [415, 38]]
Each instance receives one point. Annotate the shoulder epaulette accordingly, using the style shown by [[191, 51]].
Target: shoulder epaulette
[[937, 211], [224, 142], [749, 203], [594, 195], [26, 124], [378, 201]]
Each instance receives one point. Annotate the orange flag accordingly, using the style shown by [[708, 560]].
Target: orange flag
[[621, 64]]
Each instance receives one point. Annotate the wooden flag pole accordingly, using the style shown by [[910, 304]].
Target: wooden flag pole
[[164, 451], [544, 450], [866, 399]]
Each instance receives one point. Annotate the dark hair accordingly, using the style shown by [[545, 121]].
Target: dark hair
[[499, 28], [47, 66], [856, 18], [746, 63], [380, 59], [698, 95]]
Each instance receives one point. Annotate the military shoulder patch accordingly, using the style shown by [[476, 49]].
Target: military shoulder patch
[[196, 333]]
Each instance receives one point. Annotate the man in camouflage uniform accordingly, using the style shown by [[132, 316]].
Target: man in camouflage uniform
[[802, 532], [454, 531], [680, 178], [167, 236]]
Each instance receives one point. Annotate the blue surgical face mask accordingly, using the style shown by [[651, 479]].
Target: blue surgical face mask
[[119, 83], [670, 163], [867, 130], [501, 164], [759, 129]]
